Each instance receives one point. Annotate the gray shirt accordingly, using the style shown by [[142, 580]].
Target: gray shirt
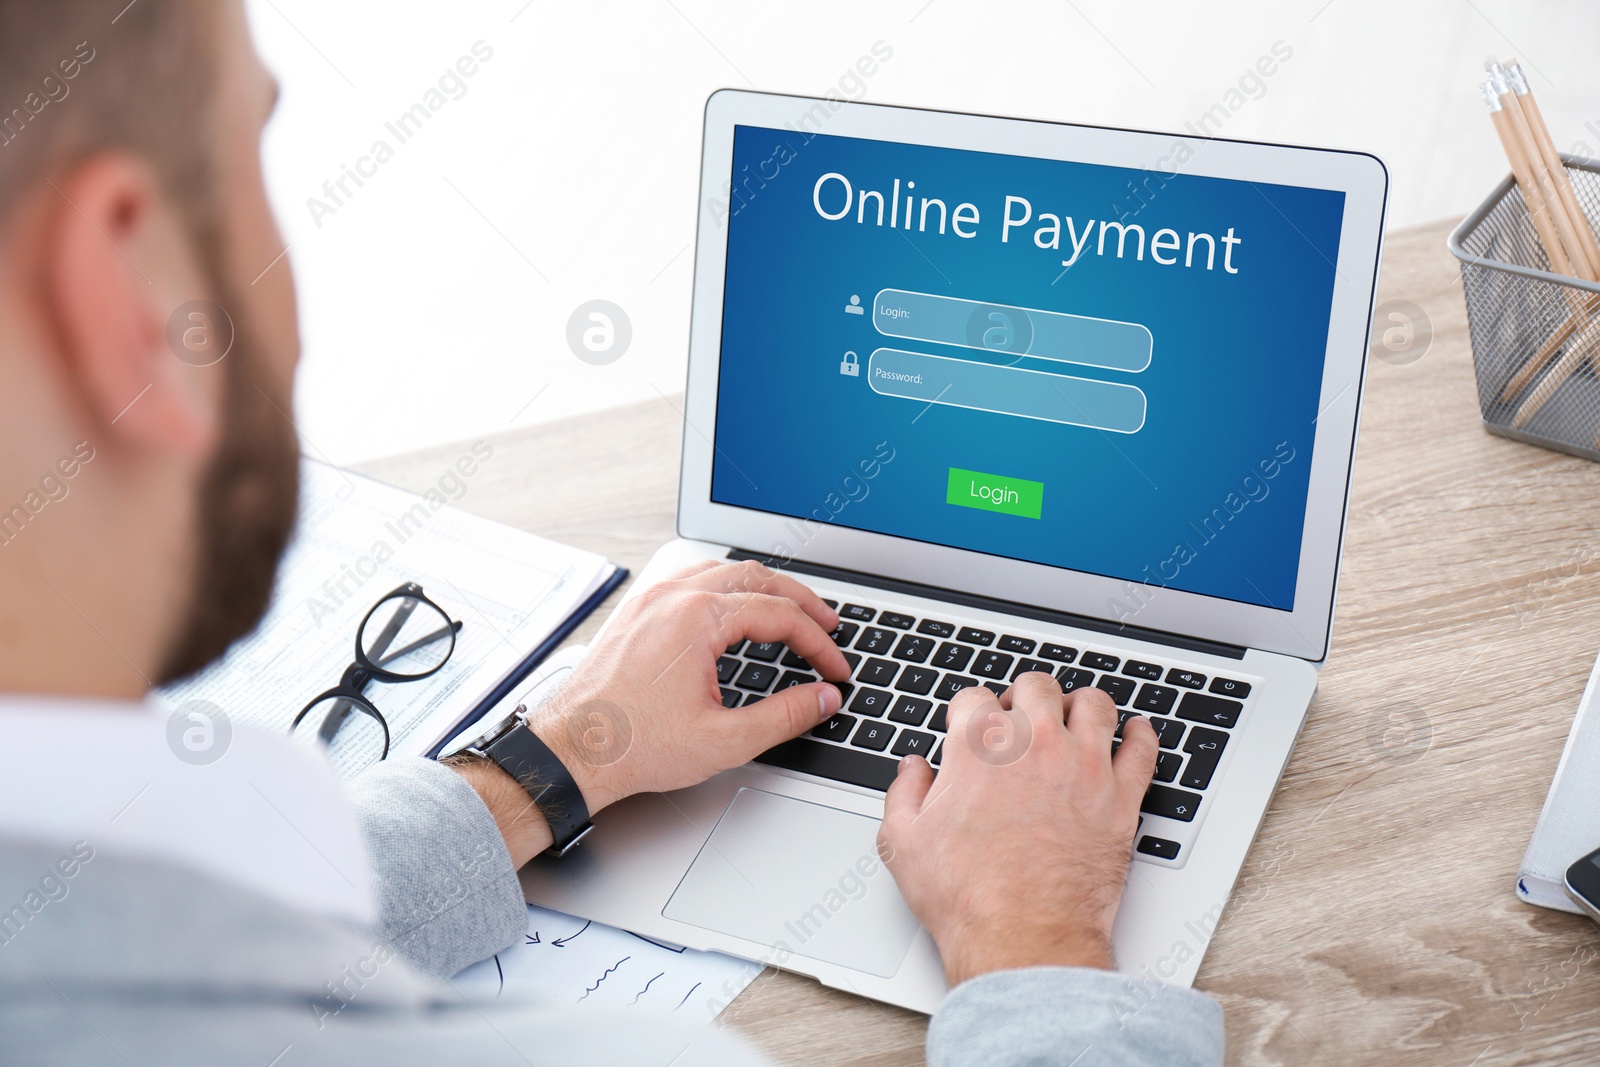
[[137, 958]]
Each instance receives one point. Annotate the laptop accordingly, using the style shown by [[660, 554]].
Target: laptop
[[1013, 396]]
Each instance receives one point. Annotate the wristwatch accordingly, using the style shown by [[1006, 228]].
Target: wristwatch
[[519, 752]]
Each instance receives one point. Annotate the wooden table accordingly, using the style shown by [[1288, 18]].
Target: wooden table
[[1374, 920]]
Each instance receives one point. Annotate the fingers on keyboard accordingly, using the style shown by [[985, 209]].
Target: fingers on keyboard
[[904, 671]]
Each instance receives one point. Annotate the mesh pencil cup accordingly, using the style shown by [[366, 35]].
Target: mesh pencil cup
[[1535, 334]]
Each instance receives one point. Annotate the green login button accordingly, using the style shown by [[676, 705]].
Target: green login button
[[994, 492]]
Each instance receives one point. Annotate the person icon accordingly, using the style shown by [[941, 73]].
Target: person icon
[[854, 307]]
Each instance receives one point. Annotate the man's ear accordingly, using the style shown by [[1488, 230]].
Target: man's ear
[[116, 262]]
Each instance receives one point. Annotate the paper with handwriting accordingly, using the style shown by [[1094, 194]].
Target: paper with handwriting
[[568, 962]]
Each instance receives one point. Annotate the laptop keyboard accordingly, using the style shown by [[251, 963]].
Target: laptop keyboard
[[905, 669]]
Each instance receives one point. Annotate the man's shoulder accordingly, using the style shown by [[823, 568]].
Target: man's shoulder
[[166, 964], [253, 807], [81, 913]]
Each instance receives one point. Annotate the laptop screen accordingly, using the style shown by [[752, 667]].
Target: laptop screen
[[1103, 369]]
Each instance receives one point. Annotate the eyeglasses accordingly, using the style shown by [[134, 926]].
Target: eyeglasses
[[404, 638]]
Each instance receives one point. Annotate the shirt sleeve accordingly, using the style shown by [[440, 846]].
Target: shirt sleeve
[[447, 893], [1074, 1015]]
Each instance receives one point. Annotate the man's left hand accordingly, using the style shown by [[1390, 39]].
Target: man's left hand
[[643, 712]]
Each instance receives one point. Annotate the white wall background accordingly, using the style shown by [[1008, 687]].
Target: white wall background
[[434, 300]]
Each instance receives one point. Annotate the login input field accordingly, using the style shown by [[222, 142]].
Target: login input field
[[1017, 391], [1054, 335]]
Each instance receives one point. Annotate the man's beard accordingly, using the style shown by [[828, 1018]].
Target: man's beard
[[247, 508]]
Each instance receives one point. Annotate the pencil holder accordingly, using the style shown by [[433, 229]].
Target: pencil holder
[[1535, 334]]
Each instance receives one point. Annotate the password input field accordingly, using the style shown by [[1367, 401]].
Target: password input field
[[1004, 390], [1055, 335]]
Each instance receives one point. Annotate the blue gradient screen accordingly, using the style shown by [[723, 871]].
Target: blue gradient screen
[[1110, 370]]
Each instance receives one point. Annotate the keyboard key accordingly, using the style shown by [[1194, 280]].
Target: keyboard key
[[730, 698], [873, 735], [1059, 653], [1099, 661], [997, 688], [1122, 720], [1159, 846], [951, 685], [1204, 741], [940, 719], [876, 640], [1150, 672], [935, 628], [831, 603], [975, 637], [1205, 752], [895, 619], [733, 649], [727, 667], [833, 762], [1022, 645], [873, 702], [1168, 731], [992, 664], [1187, 679], [1229, 688], [1155, 698], [844, 633], [877, 672], [751, 698], [837, 728], [918, 680], [1171, 803], [1121, 689], [913, 743], [1213, 711], [1073, 678], [856, 612], [852, 660], [1167, 764], [792, 660], [913, 648], [792, 678], [938, 754], [765, 651], [952, 657], [757, 676], [1028, 665], [910, 710]]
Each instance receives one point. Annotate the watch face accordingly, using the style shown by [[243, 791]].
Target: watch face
[[484, 738]]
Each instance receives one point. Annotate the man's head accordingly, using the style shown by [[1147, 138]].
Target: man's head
[[136, 248]]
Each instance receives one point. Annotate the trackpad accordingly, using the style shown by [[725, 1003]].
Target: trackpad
[[800, 877]]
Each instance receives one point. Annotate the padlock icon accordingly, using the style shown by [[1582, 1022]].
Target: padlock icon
[[849, 365]]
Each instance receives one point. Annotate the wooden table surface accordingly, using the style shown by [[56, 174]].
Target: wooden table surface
[[1374, 920]]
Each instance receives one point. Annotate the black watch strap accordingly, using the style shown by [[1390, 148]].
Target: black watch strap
[[521, 754]]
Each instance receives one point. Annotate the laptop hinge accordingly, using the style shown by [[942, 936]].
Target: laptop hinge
[[972, 600]]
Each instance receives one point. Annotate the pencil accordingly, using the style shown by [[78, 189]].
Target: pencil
[[1570, 360], [1533, 162], [1522, 172], [1554, 164]]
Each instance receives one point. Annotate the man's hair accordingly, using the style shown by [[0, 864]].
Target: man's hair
[[80, 77]]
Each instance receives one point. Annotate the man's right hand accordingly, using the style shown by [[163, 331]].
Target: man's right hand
[[1015, 855]]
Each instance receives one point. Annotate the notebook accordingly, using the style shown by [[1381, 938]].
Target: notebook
[[1569, 825], [517, 596]]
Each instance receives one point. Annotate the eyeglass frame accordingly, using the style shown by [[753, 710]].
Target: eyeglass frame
[[363, 672]]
